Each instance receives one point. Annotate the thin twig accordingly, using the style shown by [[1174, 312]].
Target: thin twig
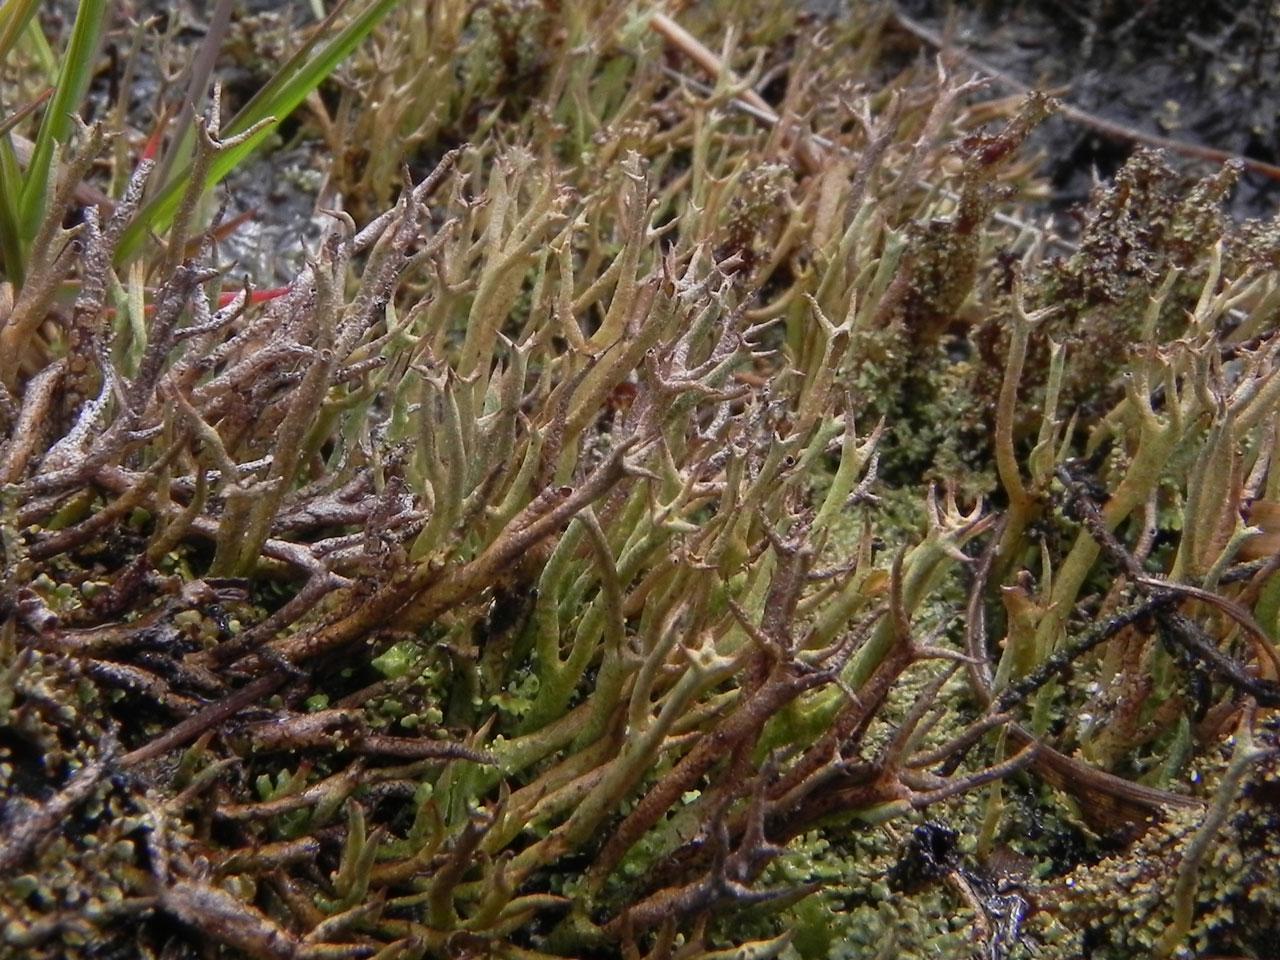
[[1108, 128], [1104, 794], [1177, 626]]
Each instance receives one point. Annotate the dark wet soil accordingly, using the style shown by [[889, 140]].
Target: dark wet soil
[[1206, 72]]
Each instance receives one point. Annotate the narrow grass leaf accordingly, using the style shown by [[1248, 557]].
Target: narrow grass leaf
[[275, 102], [38, 45], [14, 16], [11, 245], [69, 92]]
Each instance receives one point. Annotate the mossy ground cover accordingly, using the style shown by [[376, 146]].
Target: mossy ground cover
[[683, 504]]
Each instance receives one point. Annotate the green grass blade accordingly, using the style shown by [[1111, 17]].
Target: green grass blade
[[40, 50], [69, 92], [11, 245], [278, 98], [14, 16], [258, 106]]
